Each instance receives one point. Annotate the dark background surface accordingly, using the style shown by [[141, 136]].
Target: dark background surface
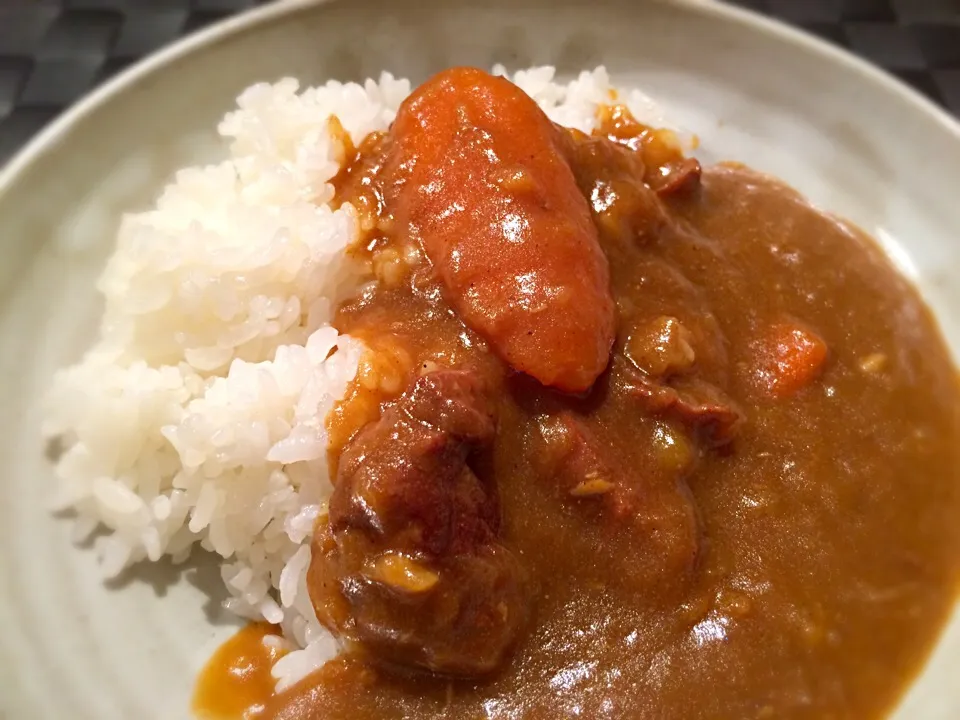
[[54, 51]]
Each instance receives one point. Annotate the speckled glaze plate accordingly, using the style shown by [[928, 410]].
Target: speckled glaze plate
[[852, 139]]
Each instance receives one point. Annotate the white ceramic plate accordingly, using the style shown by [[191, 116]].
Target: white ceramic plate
[[852, 139]]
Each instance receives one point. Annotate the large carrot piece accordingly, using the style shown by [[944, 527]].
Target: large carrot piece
[[496, 208]]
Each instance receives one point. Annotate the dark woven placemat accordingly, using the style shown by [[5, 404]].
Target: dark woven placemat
[[54, 51]]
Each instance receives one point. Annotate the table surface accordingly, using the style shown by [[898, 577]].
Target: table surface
[[54, 51]]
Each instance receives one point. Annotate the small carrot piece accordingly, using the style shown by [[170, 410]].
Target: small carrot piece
[[789, 358]]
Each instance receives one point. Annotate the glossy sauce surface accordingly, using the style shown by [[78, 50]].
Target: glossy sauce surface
[[753, 512]]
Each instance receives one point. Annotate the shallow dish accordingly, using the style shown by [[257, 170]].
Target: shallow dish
[[853, 140]]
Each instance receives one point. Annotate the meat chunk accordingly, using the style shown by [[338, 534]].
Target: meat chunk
[[497, 210], [678, 177], [701, 407], [611, 175], [656, 509], [409, 564], [658, 377]]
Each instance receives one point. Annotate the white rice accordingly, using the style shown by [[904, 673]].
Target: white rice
[[197, 418]]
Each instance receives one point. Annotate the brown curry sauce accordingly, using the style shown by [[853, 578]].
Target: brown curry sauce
[[752, 512]]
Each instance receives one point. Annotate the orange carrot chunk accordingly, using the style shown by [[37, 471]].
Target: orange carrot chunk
[[498, 212], [789, 358]]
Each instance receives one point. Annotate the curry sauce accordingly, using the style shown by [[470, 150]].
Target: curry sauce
[[750, 511]]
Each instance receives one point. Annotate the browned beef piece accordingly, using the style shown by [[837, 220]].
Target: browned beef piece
[[409, 564], [679, 177], [611, 177], [698, 405]]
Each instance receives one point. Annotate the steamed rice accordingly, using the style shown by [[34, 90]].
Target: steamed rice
[[197, 418]]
